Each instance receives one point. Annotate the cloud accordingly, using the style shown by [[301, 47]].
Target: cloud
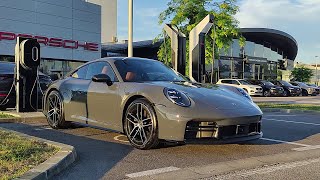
[[148, 12], [299, 18], [266, 13]]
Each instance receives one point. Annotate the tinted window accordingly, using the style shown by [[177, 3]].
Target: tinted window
[[100, 68], [285, 83], [268, 83], [244, 82], [226, 81], [81, 72], [137, 70]]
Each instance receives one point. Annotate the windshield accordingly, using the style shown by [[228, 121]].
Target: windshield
[[302, 84], [285, 83], [268, 83], [244, 82], [141, 70]]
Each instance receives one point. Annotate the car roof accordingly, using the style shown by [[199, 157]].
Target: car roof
[[113, 59]]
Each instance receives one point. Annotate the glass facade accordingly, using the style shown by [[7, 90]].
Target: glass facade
[[253, 61], [51, 66]]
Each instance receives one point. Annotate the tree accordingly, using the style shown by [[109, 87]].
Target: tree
[[186, 14], [301, 74]]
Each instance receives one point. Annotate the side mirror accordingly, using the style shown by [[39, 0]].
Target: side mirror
[[102, 78]]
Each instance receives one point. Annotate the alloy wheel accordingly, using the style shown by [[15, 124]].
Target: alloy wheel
[[54, 107], [139, 124]]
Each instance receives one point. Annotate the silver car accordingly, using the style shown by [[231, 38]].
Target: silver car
[[149, 102]]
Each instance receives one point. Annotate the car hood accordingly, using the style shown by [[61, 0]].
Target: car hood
[[215, 96]]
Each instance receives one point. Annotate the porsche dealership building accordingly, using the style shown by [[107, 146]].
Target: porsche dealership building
[[71, 32]]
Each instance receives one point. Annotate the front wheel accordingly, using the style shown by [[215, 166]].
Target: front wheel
[[140, 125], [286, 93], [54, 110]]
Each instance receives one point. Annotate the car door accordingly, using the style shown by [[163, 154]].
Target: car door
[[75, 92], [103, 100]]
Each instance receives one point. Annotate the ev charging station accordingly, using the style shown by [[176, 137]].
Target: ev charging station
[[178, 48], [27, 58], [197, 36]]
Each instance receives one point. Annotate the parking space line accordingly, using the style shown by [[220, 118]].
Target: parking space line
[[279, 115], [117, 138], [295, 122], [152, 172], [286, 142], [307, 148]]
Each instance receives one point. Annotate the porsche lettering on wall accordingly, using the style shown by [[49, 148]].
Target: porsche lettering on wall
[[54, 42]]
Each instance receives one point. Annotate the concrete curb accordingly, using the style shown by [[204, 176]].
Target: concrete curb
[[208, 171], [52, 166], [288, 110]]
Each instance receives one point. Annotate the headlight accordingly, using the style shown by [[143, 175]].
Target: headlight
[[177, 97], [244, 93]]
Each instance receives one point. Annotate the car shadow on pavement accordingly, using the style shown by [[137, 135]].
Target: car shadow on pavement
[[95, 157]]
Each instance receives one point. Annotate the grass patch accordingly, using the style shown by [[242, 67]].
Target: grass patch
[[18, 154], [4, 115], [290, 106]]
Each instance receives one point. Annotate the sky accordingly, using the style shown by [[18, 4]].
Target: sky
[[299, 18]]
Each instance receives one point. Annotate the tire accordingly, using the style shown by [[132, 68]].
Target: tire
[[54, 110], [286, 93], [266, 93], [141, 129], [305, 93]]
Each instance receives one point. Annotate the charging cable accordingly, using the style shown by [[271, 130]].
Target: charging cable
[[6, 100]]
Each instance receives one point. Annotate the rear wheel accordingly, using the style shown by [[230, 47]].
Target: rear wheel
[[266, 93], [305, 93], [55, 113], [140, 125]]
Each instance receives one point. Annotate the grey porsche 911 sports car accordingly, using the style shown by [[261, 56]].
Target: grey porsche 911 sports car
[[149, 102]]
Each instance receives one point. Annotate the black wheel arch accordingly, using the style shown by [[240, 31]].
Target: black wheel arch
[[128, 102]]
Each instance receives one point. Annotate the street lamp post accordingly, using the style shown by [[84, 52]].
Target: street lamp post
[[317, 70], [130, 28]]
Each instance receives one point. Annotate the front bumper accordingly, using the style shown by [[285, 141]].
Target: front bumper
[[255, 93], [276, 92], [180, 124], [199, 130], [295, 92]]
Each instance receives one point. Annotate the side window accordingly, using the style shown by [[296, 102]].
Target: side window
[[100, 68], [80, 73], [226, 81], [235, 82]]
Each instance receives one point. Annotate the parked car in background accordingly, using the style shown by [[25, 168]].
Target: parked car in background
[[289, 89], [306, 89], [7, 88], [269, 89], [252, 90], [316, 87]]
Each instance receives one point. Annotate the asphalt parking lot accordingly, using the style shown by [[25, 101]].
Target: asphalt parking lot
[[107, 155]]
